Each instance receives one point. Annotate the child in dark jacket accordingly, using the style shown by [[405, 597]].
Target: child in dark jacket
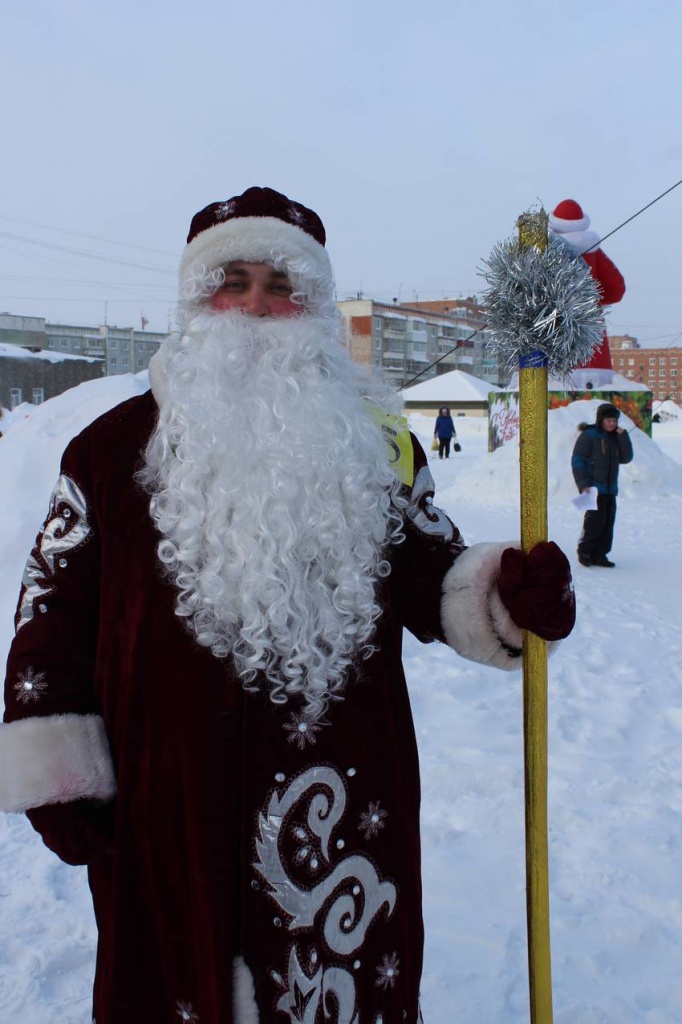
[[597, 457]]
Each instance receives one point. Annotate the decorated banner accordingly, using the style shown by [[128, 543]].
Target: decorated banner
[[503, 410]]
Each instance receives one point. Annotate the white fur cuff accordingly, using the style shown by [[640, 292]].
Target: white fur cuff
[[54, 760], [244, 1007], [475, 621]]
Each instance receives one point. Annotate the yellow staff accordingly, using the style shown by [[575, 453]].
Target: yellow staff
[[533, 488], [543, 310]]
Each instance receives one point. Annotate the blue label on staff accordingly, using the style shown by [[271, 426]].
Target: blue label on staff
[[533, 361]]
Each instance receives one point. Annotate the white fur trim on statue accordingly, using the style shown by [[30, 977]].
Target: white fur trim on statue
[[54, 760], [562, 224], [256, 240], [244, 1007], [581, 241], [475, 622], [589, 379]]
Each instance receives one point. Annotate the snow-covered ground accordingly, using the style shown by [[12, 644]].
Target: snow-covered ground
[[615, 727]]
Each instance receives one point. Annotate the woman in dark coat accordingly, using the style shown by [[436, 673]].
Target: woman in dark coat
[[444, 431]]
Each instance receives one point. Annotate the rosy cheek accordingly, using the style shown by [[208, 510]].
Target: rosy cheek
[[223, 300], [283, 306]]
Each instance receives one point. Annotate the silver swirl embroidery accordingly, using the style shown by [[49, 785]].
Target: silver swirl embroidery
[[421, 511], [344, 925], [66, 527]]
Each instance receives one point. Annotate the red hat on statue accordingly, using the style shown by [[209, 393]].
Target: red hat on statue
[[568, 216]]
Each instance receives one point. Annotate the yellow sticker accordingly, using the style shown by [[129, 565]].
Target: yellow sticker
[[396, 433]]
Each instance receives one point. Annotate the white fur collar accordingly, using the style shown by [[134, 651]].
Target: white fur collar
[[581, 241]]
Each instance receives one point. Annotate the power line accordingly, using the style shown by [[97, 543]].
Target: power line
[[49, 298], [92, 238], [86, 253], [603, 239]]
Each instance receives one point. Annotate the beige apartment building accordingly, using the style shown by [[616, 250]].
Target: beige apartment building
[[419, 341]]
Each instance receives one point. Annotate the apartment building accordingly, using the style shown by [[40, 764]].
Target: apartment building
[[658, 368], [405, 340], [121, 349]]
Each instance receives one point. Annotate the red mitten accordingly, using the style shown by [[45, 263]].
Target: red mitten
[[77, 830], [537, 590]]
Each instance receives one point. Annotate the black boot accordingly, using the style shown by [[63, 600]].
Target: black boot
[[604, 562]]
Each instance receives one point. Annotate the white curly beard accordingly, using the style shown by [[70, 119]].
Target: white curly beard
[[272, 491]]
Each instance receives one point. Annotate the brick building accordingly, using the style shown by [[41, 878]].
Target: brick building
[[658, 368]]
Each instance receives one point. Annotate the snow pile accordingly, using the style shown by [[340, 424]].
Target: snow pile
[[496, 479], [667, 410]]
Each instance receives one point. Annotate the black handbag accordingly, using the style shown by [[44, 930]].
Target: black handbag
[[457, 446]]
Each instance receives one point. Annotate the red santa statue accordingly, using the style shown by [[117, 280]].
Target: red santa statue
[[205, 701], [571, 225]]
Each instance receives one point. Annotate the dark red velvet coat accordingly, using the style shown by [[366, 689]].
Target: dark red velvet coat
[[233, 834]]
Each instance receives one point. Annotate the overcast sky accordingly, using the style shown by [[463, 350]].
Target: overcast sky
[[418, 131]]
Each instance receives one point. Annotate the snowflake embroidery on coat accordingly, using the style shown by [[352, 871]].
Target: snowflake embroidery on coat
[[301, 730], [388, 971], [372, 820], [30, 686], [185, 1012]]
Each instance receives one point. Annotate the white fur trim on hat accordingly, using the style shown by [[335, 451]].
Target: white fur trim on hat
[[561, 225], [475, 622], [54, 760], [256, 240]]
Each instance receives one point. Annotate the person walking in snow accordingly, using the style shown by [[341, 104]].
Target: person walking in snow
[[598, 454], [205, 700], [444, 431]]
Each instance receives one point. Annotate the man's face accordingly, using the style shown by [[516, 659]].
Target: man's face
[[255, 288], [609, 424]]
